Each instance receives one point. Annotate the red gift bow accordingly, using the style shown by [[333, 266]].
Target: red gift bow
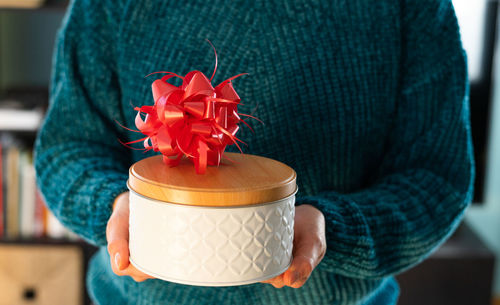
[[194, 119]]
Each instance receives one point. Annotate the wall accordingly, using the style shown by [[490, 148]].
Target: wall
[[485, 219]]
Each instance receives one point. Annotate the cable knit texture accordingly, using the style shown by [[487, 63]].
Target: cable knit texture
[[366, 100]]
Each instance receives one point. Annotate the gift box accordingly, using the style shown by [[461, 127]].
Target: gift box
[[233, 225]]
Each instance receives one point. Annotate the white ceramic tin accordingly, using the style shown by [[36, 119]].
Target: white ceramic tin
[[211, 246], [231, 226]]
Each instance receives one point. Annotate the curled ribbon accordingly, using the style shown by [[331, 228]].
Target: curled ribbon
[[193, 120]]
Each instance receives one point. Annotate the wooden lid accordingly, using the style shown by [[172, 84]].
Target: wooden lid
[[249, 180]]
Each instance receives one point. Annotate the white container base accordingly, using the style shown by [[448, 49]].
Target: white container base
[[214, 284], [211, 246]]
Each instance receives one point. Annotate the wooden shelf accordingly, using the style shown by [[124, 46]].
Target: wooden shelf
[[48, 5], [42, 240]]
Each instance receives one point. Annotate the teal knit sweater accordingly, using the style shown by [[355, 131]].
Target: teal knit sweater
[[366, 100]]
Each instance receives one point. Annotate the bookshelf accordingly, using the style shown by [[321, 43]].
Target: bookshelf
[[23, 102], [27, 228]]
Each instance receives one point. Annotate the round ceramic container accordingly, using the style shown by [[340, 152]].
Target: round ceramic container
[[231, 226]]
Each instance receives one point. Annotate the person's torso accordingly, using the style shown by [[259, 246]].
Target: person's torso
[[323, 75]]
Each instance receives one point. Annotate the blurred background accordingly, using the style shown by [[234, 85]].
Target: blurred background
[[43, 263]]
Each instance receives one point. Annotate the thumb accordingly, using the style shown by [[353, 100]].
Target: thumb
[[117, 235], [118, 246]]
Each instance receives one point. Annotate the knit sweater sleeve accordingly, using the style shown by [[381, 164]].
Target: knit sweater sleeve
[[424, 183], [80, 165]]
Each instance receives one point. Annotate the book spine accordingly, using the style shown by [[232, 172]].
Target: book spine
[[1, 194], [54, 228], [13, 193], [27, 194], [39, 229]]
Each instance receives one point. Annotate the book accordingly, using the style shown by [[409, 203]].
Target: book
[[12, 204], [54, 227], [6, 141], [27, 191], [1, 193], [40, 226]]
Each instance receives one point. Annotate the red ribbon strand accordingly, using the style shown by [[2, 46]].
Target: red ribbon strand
[[194, 120]]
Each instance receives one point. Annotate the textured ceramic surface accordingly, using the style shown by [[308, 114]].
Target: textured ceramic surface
[[211, 246]]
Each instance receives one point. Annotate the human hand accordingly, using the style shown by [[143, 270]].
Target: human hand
[[117, 236], [309, 247]]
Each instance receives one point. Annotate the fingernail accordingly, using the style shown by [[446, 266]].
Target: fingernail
[[117, 260]]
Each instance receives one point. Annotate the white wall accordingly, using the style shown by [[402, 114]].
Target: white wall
[[485, 218], [470, 16]]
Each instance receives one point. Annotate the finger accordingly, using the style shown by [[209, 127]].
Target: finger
[[117, 235], [133, 272], [269, 281], [117, 227], [305, 256], [276, 281], [139, 279], [136, 274], [291, 275], [299, 271], [312, 247], [121, 204], [119, 253]]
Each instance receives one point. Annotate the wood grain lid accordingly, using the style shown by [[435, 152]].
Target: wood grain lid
[[248, 180]]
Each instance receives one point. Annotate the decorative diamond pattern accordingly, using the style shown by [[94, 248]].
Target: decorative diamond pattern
[[203, 245]]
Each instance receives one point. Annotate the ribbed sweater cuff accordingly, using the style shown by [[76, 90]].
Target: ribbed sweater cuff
[[389, 227], [104, 199]]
